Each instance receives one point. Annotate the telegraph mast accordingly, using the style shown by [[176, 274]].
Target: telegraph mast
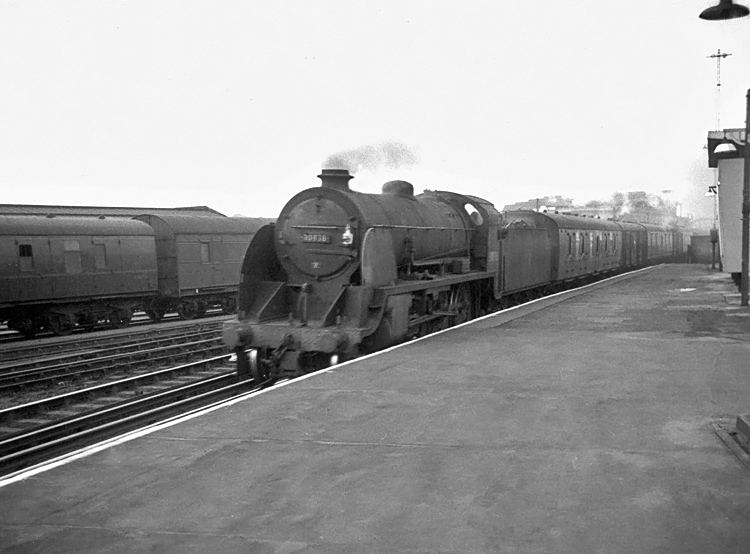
[[714, 191], [719, 55]]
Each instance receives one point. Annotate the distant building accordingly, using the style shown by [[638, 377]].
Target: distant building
[[605, 211], [551, 203], [664, 215]]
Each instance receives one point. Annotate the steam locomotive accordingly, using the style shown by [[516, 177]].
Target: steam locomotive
[[343, 273]]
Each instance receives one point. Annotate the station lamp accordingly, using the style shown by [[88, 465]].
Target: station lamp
[[726, 9]]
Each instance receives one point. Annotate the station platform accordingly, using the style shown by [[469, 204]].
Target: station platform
[[583, 422]]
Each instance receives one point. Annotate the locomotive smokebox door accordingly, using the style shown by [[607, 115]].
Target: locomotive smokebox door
[[318, 237]]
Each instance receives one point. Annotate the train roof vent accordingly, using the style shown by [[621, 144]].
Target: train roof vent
[[398, 188], [335, 178]]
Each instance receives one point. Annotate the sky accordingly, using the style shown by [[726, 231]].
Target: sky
[[237, 105]]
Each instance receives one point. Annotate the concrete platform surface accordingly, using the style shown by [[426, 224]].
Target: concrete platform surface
[[582, 427]]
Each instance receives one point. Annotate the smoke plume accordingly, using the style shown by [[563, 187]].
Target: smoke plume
[[388, 154]]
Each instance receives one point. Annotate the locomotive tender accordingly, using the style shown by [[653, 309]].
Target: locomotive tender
[[343, 273], [56, 272]]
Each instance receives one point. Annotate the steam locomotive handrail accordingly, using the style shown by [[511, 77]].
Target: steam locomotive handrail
[[426, 228], [329, 227], [331, 253]]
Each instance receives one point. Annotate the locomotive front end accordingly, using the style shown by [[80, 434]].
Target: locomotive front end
[[293, 292], [344, 272]]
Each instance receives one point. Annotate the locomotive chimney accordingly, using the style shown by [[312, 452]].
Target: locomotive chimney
[[335, 178]]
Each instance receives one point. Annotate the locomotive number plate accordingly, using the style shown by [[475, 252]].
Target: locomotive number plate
[[314, 237]]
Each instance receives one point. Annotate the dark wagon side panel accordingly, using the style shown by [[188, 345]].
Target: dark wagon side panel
[[528, 251], [199, 260], [56, 272], [56, 259], [633, 236]]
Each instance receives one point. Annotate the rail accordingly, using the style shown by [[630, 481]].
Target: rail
[[42, 443]]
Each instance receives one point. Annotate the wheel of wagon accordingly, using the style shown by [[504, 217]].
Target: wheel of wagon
[[119, 319], [24, 325], [155, 310], [155, 314], [229, 306], [200, 309], [187, 310], [461, 304], [87, 321], [60, 324]]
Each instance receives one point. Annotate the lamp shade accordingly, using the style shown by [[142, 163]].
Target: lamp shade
[[726, 9]]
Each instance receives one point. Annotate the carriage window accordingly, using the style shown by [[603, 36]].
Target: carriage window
[[570, 244], [205, 252], [72, 257], [25, 257], [597, 243], [583, 244], [100, 256]]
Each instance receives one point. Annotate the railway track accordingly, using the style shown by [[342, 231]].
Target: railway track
[[41, 442], [9, 336], [123, 358], [54, 346], [55, 398]]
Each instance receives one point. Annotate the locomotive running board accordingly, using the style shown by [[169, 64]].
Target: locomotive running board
[[412, 286]]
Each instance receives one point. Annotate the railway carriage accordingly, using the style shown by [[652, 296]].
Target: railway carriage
[[59, 272], [198, 260], [586, 247], [529, 259], [632, 245], [660, 243], [576, 246], [56, 272]]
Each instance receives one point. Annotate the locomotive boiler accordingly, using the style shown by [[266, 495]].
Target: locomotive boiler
[[343, 272]]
